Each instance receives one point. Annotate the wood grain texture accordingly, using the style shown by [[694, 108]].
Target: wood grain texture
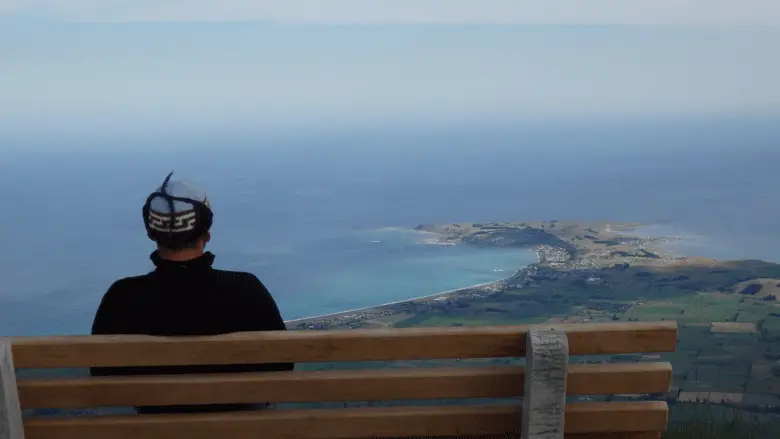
[[544, 404], [342, 385], [10, 411], [469, 421], [634, 435], [321, 346]]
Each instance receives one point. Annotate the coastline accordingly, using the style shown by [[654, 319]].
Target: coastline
[[423, 297], [549, 256], [398, 302]]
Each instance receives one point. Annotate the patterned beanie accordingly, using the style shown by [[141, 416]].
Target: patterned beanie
[[188, 222]]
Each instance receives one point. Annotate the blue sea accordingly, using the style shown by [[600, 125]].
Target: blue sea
[[325, 221]]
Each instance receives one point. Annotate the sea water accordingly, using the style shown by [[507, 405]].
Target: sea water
[[685, 242], [310, 219], [356, 269], [372, 267]]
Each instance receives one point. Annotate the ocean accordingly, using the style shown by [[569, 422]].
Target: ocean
[[325, 221]]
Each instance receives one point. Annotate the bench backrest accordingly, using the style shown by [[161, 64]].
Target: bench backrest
[[545, 381]]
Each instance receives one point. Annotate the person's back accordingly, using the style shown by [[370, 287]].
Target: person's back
[[184, 295]]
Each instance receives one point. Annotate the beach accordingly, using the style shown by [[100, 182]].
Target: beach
[[387, 308], [374, 311]]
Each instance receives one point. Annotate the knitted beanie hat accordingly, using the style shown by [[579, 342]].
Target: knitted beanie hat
[[191, 215]]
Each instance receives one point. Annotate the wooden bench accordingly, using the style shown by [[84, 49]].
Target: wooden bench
[[544, 383]]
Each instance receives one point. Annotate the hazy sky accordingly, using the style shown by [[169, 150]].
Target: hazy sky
[[166, 75], [408, 11]]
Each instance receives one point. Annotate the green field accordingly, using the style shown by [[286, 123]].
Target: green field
[[728, 348]]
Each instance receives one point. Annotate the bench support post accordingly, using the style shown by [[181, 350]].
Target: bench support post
[[544, 402], [10, 412]]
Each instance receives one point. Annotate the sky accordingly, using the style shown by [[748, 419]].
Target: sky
[[688, 12], [85, 66]]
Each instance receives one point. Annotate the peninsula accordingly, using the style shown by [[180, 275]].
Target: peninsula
[[571, 255]]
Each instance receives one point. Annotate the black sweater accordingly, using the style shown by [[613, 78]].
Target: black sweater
[[187, 298]]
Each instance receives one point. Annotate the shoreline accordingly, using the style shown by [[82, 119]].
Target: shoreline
[[543, 260], [397, 302], [426, 296]]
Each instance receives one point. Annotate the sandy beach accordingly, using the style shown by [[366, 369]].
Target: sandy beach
[[427, 238]]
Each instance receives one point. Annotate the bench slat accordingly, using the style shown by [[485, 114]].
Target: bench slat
[[344, 385], [634, 435], [350, 423], [324, 346]]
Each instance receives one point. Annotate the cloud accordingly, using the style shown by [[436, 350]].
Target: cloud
[[622, 12]]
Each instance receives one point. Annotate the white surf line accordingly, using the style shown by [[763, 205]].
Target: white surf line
[[400, 301]]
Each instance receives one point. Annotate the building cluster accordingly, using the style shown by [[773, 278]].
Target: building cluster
[[352, 320]]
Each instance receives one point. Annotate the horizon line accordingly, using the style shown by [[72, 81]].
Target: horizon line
[[379, 23]]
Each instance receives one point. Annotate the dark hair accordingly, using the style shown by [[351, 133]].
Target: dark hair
[[178, 242]]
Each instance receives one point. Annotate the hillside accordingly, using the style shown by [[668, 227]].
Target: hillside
[[727, 310]]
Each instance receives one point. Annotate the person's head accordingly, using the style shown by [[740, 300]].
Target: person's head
[[178, 217]]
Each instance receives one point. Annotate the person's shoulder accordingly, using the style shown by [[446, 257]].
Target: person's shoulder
[[241, 283], [132, 281], [241, 277], [127, 285]]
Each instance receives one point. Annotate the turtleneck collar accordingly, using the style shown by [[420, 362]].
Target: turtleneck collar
[[200, 263]]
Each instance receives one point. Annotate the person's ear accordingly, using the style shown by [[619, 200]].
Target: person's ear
[[206, 237]]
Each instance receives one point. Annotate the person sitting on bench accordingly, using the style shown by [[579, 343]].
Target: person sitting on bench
[[184, 295]]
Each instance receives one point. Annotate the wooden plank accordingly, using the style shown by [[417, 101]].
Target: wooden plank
[[342, 385], [545, 384], [349, 423], [10, 411], [634, 435], [322, 346]]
